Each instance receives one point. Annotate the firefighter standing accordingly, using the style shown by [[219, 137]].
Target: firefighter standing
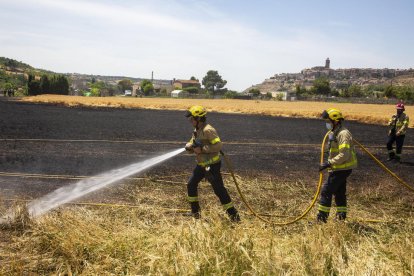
[[342, 159], [206, 145], [397, 126]]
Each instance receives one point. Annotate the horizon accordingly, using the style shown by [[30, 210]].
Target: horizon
[[245, 42]]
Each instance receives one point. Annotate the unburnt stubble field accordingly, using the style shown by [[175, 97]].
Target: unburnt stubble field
[[365, 113], [152, 239]]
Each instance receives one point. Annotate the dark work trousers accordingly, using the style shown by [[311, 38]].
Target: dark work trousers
[[399, 142], [214, 177], [334, 186]]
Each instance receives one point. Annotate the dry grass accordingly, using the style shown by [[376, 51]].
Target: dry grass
[[366, 113], [151, 240]]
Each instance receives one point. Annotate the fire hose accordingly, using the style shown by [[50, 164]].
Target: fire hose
[[318, 189], [243, 198], [384, 167]]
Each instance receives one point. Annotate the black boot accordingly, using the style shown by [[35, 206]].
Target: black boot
[[397, 158], [391, 156], [195, 210], [322, 217], [341, 216], [233, 214]]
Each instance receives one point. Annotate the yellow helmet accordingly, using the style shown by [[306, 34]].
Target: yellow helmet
[[196, 111], [332, 114]]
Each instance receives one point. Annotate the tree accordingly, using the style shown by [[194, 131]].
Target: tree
[[230, 94], [279, 97], [405, 93], [59, 84], [255, 92], [125, 84], [193, 78], [268, 95], [163, 92], [300, 90], [213, 82], [96, 88], [33, 86], [191, 89], [355, 91], [390, 91], [9, 89], [321, 86], [146, 87], [45, 84], [112, 89]]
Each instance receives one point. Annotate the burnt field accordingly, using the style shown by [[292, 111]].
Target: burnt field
[[40, 141]]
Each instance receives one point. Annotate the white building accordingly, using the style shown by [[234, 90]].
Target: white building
[[178, 94]]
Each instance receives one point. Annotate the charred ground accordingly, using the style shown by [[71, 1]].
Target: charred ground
[[58, 140]]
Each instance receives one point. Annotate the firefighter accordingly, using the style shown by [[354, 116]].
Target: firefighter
[[342, 159], [397, 126], [206, 145]]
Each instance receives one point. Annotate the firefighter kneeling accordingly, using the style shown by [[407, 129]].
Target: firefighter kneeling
[[342, 159], [206, 144]]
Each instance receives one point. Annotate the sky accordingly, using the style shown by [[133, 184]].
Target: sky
[[245, 41]]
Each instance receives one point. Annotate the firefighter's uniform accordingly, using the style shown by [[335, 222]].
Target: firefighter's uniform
[[208, 166], [342, 159], [397, 127]]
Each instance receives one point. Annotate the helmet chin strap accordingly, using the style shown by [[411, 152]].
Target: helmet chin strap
[[198, 122], [334, 125]]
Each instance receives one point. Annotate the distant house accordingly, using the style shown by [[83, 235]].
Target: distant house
[[178, 94], [136, 89], [159, 86], [181, 84], [284, 95]]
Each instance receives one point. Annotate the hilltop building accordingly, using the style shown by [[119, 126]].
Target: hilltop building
[[327, 63]]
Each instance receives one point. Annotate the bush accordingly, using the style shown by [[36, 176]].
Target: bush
[[230, 94], [191, 89]]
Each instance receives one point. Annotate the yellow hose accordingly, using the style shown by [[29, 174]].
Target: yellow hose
[[383, 166], [228, 164], [315, 197]]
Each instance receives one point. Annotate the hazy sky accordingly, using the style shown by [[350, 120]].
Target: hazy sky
[[245, 41]]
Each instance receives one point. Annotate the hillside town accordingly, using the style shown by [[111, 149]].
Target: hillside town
[[338, 78], [282, 86]]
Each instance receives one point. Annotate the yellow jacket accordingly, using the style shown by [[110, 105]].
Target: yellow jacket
[[210, 151], [399, 123], [342, 154]]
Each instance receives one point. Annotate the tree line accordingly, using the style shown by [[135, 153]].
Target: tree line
[[48, 84]]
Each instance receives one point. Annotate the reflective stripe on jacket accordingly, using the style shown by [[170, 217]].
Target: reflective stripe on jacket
[[210, 152], [400, 123], [342, 154]]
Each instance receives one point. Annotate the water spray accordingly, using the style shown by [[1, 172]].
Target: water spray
[[77, 190]]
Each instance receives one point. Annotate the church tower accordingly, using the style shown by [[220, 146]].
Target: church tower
[[327, 63]]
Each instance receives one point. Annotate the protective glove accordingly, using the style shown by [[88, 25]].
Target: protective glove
[[324, 166], [189, 147], [197, 144]]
